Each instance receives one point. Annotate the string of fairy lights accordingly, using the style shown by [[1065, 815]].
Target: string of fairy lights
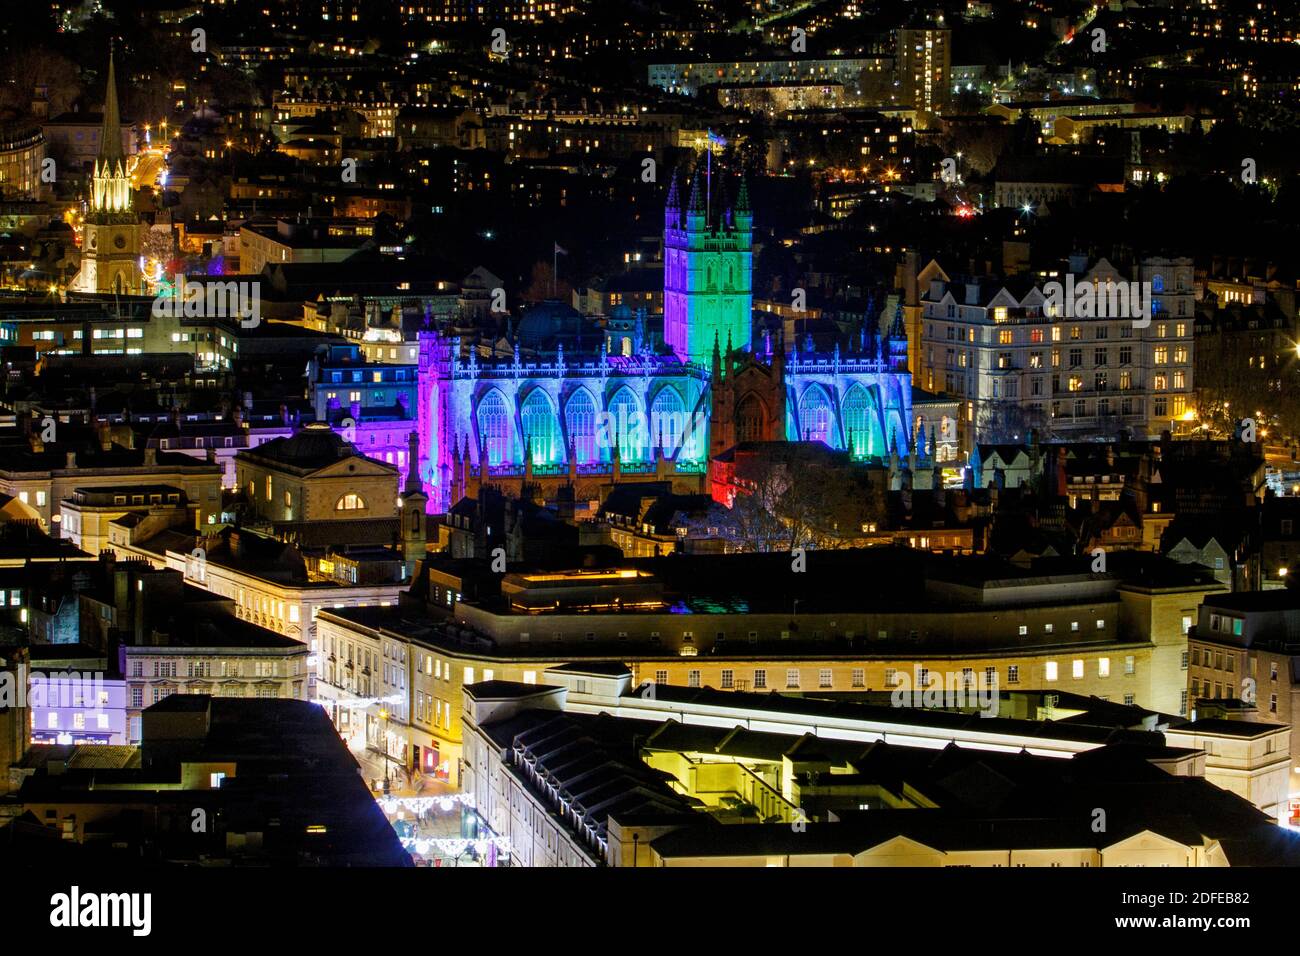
[[446, 846], [455, 847], [444, 802]]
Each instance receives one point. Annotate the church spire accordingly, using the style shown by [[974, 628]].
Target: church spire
[[110, 189], [110, 137]]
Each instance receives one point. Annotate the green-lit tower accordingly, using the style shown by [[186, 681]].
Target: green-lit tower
[[708, 264]]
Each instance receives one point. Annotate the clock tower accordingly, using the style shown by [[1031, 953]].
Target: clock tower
[[112, 235]]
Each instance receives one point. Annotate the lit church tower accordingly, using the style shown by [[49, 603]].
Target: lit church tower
[[112, 236], [707, 268]]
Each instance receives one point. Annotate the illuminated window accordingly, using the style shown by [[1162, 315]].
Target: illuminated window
[[815, 415], [541, 430], [626, 418], [580, 416], [861, 432], [494, 427], [667, 421], [350, 502]]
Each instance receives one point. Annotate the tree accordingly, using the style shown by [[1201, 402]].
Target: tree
[[541, 288], [1009, 422], [763, 483], [787, 501], [29, 68]]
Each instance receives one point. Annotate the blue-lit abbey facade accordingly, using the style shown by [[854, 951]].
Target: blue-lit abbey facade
[[567, 408]]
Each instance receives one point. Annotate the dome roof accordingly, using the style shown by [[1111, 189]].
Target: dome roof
[[548, 323], [314, 445]]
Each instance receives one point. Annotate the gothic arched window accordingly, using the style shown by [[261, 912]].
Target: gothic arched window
[[580, 418], [751, 419], [494, 427], [815, 416], [667, 421], [628, 421], [860, 427], [541, 430]]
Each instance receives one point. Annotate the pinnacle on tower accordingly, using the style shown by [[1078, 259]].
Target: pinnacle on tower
[[742, 198], [897, 330], [697, 202], [674, 203], [673, 207]]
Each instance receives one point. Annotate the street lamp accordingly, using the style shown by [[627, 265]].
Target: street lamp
[[383, 712]]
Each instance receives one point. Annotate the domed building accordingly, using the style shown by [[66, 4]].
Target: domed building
[[625, 331], [315, 475], [551, 326]]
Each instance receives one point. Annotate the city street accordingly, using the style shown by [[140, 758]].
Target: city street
[[427, 823]]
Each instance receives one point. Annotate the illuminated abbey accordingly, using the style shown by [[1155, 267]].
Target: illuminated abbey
[[579, 405]]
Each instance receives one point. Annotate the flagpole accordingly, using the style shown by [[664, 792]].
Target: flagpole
[[555, 265], [708, 176]]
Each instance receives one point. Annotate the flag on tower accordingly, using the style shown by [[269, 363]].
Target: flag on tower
[[560, 250]]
